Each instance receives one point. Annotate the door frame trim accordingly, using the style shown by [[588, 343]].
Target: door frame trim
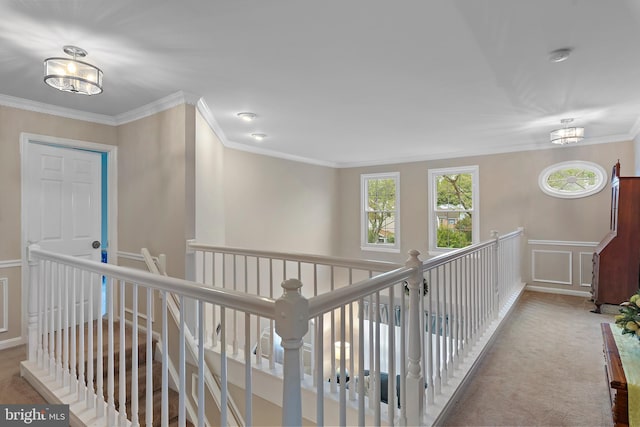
[[112, 196]]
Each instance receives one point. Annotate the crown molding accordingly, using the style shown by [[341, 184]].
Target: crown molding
[[182, 97], [206, 114], [485, 152], [69, 113], [155, 107]]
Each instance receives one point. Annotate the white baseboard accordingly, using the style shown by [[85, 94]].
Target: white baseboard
[[12, 342], [572, 292]]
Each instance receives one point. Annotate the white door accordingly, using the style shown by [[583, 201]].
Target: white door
[[64, 204]]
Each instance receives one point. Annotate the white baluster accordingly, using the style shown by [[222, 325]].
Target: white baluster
[[149, 361], [391, 352], [182, 388], [343, 369], [375, 375], [319, 382], [40, 290], [224, 404], [82, 384], [99, 356], [122, 365], [292, 323], [65, 344], [248, 413], [495, 276], [91, 396], [34, 332], [111, 407], [165, 364], [58, 327], [52, 327], [361, 350], [134, 357], [73, 383], [201, 363]]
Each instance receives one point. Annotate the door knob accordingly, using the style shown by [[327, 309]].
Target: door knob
[[95, 244]]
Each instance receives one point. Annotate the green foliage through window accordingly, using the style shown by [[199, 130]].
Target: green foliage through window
[[454, 210], [381, 210], [572, 179]]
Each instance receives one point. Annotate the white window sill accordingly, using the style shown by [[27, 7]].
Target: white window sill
[[380, 249]]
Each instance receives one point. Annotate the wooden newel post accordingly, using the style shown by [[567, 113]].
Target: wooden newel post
[[32, 325], [292, 323], [415, 378]]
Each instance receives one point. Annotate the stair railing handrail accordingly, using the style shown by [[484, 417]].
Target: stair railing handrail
[[258, 305], [298, 257]]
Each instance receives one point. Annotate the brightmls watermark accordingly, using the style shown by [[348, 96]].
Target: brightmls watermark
[[37, 415]]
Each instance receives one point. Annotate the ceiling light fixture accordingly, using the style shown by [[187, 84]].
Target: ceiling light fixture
[[559, 55], [567, 135], [246, 116], [71, 75], [258, 136]]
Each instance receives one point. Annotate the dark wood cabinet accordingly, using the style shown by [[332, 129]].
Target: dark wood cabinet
[[616, 380], [616, 259]]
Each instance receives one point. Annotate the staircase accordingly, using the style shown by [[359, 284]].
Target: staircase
[[156, 372]]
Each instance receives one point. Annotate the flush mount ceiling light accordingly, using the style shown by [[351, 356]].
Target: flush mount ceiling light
[[567, 135], [246, 116], [71, 75], [559, 55], [258, 136]]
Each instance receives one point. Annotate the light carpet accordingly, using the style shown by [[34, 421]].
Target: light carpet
[[545, 368]]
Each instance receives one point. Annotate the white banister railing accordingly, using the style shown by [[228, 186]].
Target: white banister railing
[[54, 277], [387, 344]]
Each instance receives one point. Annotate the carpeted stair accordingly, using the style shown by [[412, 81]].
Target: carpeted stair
[[142, 375]]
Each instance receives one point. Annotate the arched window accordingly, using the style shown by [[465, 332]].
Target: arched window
[[573, 179]]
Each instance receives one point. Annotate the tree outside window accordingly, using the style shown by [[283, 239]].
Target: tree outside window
[[453, 207], [380, 211]]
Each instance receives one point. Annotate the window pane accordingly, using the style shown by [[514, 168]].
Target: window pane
[[381, 194], [572, 179], [381, 227], [454, 192], [454, 229]]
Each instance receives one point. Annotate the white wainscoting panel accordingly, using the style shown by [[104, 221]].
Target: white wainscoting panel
[[586, 268], [558, 266], [4, 304]]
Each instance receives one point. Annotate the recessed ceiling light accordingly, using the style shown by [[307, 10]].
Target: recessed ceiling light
[[246, 116], [258, 136], [559, 55]]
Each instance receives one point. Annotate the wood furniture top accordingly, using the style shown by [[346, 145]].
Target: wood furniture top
[[615, 378]]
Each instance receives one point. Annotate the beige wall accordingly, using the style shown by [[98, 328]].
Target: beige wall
[[509, 197], [13, 122], [209, 169], [155, 185], [279, 205]]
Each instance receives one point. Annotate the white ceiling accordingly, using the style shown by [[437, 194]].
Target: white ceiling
[[348, 82]]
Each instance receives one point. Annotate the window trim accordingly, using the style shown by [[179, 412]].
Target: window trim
[[364, 225], [582, 164], [432, 195]]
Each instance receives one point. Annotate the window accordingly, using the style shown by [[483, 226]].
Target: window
[[380, 212], [573, 179], [453, 208]]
